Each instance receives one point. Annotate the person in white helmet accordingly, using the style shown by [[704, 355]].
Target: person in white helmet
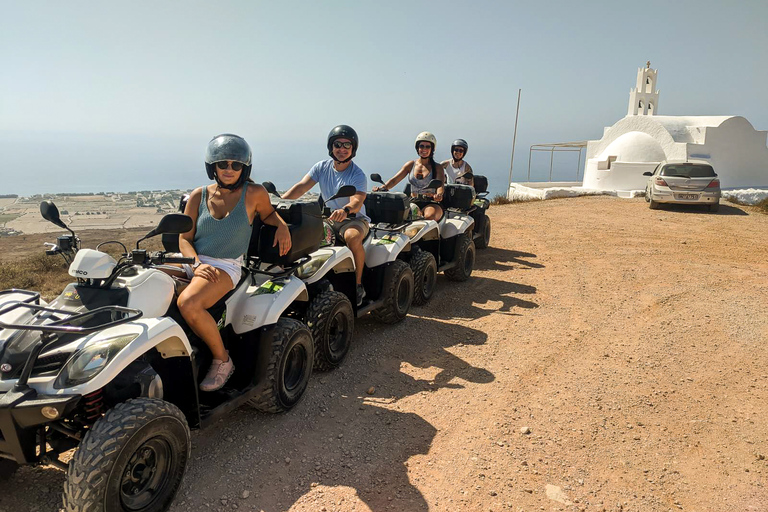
[[419, 173], [456, 169]]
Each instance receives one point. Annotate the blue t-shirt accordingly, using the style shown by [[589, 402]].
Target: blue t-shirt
[[331, 181]]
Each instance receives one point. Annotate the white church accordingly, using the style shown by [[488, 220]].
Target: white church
[[642, 139]]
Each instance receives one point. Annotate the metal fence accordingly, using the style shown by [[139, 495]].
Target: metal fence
[[558, 147]]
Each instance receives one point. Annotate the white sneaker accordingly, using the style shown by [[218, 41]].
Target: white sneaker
[[218, 375]]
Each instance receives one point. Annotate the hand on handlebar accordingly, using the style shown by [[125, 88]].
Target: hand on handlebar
[[439, 194], [380, 189]]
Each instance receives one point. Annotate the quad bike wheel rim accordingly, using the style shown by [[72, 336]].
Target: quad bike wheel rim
[[146, 475], [295, 368], [430, 277], [337, 333]]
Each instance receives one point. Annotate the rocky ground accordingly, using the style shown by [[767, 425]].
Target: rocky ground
[[603, 356]]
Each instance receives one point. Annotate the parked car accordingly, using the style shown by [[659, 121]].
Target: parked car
[[683, 183]]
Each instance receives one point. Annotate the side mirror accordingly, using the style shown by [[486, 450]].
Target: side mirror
[[648, 173], [173, 223], [377, 178], [270, 187], [50, 213], [345, 191]]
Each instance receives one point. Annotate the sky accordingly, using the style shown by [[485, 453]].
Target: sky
[[120, 96]]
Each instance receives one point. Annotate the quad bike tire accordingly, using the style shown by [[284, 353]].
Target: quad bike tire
[[465, 260], [398, 293], [331, 320], [7, 469], [133, 458], [288, 369], [424, 269], [484, 241]]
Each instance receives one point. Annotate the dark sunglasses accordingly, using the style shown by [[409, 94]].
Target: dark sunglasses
[[458, 150], [425, 146], [345, 145], [236, 166]]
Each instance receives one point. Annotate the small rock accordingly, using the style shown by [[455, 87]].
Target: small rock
[[371, 390], [287, 460], [245, 494], [341, 435], [229, 439], [525, 430]]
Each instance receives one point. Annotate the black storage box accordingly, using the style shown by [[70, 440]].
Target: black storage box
[[459, 197], [304, 223], [387, 207], [481, 184]]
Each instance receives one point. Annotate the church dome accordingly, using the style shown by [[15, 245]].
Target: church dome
[[634, 147]]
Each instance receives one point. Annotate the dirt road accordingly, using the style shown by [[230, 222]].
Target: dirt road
[[602, 357]]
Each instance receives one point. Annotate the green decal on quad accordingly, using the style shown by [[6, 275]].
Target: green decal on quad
[[268, 288]]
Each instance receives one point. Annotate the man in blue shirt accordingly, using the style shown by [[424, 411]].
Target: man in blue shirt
[[332, 174]]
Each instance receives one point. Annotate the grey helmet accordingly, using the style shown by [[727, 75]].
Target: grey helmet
[[228, 147], [461, 143], [343, 131]]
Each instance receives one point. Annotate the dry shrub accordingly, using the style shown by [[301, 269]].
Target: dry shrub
[[46, 274], [500, 199]]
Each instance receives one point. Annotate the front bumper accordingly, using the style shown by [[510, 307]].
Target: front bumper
[[20, 418]]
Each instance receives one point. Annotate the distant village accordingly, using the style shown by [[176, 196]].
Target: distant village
[[21, 214]]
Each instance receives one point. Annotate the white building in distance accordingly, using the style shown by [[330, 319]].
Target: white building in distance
[[642, 139]]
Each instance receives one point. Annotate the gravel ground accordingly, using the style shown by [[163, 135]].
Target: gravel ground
[[603, 356]]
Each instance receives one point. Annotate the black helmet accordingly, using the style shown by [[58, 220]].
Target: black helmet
[[461, 143], [343, 131], [228, 147]]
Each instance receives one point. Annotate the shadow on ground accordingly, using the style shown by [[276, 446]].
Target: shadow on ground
[[494, 258]]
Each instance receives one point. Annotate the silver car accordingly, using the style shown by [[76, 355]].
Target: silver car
[[683, 183]]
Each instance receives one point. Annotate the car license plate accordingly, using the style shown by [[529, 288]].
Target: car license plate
[[688, 196]]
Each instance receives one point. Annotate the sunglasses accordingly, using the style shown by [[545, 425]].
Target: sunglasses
[[458, 150], [236, 166], [425, 146], [345, 145]]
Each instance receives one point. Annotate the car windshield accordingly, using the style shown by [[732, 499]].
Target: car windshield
[[689, 171]]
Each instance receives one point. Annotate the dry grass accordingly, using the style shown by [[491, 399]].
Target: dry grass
[[501, 199], [46, 274]]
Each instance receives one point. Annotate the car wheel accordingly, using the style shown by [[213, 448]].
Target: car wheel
[[133, 459], [647, 195], [653, 205], [332, 322], [714, 207]]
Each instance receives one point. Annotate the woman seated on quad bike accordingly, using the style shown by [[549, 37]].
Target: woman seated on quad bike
[[223, 213], [420, 172], [457, 170]]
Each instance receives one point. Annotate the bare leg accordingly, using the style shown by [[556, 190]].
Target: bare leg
[[353, 237], [193, 302], [433, 212]]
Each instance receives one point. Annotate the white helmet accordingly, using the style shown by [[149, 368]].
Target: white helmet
[[426, 137]]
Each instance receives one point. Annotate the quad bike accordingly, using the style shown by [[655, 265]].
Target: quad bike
[[445, 246], [481, 231], [387, 280], [110, 368]]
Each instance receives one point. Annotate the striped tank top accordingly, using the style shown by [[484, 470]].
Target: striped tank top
[[222, 238]]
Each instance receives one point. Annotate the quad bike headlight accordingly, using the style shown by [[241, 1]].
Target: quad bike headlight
[[308, 269], [414, 228], [90, 361]]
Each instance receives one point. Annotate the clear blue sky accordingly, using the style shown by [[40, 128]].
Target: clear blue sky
[[125, 95]]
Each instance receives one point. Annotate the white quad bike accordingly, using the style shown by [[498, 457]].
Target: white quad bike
[[387, 280], [445, 246], [111, 369]]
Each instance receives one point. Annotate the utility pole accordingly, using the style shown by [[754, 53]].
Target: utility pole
[[514, 139]]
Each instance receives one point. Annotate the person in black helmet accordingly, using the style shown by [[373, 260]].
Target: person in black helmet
[[456, 169], [332, 174], [223, 213]]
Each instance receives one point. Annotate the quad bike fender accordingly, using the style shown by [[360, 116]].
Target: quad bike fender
[[381, 250], [15, 316], [262, 302], [455, 223], [338, 259], [162, 334], [429, 230]]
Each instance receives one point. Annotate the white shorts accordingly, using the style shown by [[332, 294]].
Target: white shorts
[[233, 267]]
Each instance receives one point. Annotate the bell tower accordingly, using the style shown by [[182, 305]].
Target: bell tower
[[644, 99]]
